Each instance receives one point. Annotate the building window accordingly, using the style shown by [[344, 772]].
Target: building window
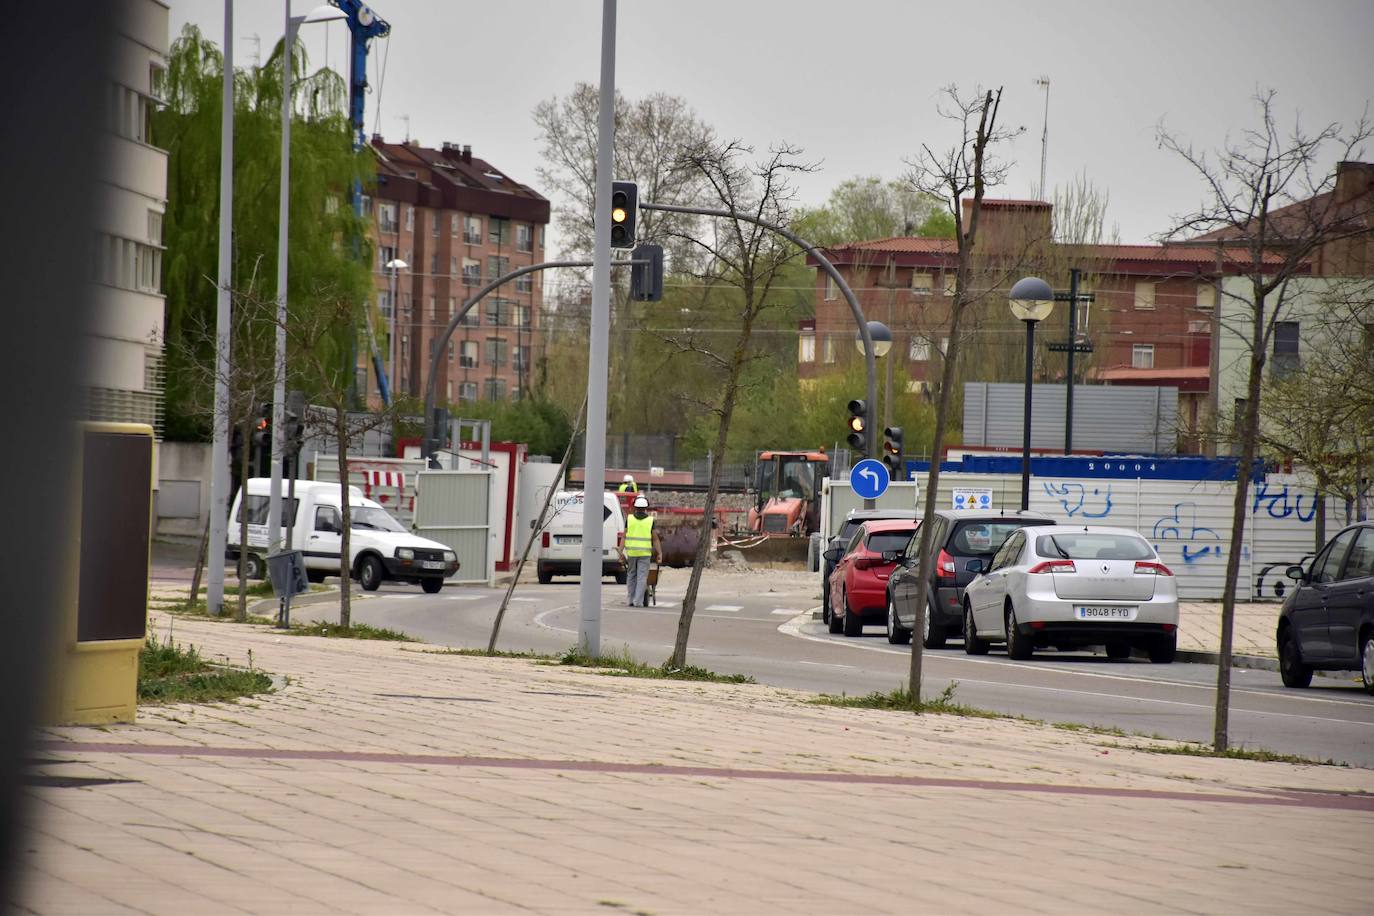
[[498, 231], [498, 312], [922, 283], [467, 391], [1286, 346], [155, 227], [831, 290], [434, 225], [951, 281], [944, 345], [385, 255], [472, 230], [453, 266], [496, 389], [806, 348], [468, 358], [434, 265], [471, 318], [432, 313], [496, 351], [1206, 297], [129, 113], [827, 349], [520, 357], [384, 304], [524, 237], [127, 264], [452, 225], [450, 355], [520, 316], [497, 266], [449, 389], [472, 272], [919, 351], [524, 284], [1143, 356], [410, 218], [1144, 295]]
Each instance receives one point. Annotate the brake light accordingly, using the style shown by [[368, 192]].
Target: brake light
[[866, 562], [1053, 566], [544, 541], [1152, 569], [944, 564]]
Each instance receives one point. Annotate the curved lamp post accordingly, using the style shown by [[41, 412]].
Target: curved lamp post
[[1031, 301], [395, 265], [882, 339]]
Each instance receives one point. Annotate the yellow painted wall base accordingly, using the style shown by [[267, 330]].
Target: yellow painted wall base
[[97, 684]]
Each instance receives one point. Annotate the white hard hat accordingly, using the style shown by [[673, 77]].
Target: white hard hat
[[641, 502], [629, 477]]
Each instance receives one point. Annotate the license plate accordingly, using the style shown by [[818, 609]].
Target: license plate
[[568, 539], [435, 564], [1104, 612]]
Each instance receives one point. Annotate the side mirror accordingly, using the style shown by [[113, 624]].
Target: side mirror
[[891, 556], [833, 555], [1296, 573], [974, 566]]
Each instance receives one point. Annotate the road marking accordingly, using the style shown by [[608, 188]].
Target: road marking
[[527, 599], [725, 607], [461, 597], [788, 610], [825, 664]]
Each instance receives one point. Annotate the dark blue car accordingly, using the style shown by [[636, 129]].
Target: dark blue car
[[1327, 621]]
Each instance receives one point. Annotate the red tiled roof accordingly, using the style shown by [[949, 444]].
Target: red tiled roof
[[903, 244], [1008, 202], [1205, 256]]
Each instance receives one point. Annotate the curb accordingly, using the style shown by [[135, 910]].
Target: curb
[[1261, 662], [271, 604]]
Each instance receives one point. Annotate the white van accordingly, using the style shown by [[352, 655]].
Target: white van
[[560, 543], [379, 547]]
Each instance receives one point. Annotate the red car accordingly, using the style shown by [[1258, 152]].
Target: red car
[[858, 586]]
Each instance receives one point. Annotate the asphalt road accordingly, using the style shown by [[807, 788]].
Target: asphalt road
[[772, 636]]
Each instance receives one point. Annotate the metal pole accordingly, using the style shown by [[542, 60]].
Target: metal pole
[[1026, 427], [219, 452], [283, 218], [594, 462], [391, 369], [1073, 344], [291, 525]]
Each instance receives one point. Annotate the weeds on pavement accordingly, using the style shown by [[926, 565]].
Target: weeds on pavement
[[356, 631], [1189, 749], [623, 665], [499, 653], [168, 673], [901, 700]]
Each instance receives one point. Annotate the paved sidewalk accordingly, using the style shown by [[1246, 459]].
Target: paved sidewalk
[[394, 778]]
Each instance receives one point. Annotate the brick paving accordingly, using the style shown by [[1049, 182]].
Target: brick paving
[[394, 778]]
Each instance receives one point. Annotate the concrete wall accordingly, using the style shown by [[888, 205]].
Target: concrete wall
[[182, 502]]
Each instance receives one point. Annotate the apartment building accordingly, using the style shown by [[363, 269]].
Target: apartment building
[[456, 222], [124, 356]]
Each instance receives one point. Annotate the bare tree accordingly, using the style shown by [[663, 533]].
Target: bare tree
[[1268, 197], [964, 171], [742, 262]]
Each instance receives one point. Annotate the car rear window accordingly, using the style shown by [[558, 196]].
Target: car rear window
[[981, 539], [1089, 545], [847, 530], [883, 541]]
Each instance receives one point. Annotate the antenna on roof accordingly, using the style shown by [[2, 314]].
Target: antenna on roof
[[1044, 82], [406, 118], [257, 47]]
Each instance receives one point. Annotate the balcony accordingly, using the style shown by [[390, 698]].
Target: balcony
[[472, 238], [388, 226]]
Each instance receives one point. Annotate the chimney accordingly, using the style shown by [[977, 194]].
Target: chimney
[[467, 153]]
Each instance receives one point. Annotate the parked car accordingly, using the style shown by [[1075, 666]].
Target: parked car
[[1073, 587], [858, 586], [959, 535], [852, 520], [1327, 621]]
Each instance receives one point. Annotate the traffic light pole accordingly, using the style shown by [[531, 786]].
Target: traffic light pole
[[870, 362]]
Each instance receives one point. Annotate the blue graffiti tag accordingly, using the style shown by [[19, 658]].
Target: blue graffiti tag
[[1072, 497], [1281, 503], [1183, 526]]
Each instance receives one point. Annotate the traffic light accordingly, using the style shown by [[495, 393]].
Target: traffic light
[[294, 421], [892, 450], [858, 426], [624, 207], [262, 442], [646, 280]]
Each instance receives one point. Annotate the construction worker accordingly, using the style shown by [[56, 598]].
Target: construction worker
[[629, 486], [641, 548]]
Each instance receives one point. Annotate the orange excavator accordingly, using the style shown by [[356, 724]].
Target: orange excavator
[[787, 500]]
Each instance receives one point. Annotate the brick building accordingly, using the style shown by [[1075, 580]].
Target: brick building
[[457, 222]]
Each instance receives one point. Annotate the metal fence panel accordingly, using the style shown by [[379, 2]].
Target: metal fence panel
[[1129, 419], [454, 508]]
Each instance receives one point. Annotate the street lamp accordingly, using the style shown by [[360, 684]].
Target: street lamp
[[395, 265], [1031, 300], [322, 13], [882, 339]]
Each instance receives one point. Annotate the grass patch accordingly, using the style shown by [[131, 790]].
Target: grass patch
[[1231, 753], [499, 653], [199, 608], [168, 673], [901, 700], [356, 631], [623, 665]]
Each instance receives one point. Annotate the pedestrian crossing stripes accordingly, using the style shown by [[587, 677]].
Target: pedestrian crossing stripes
[[789, 611], [724, 607]]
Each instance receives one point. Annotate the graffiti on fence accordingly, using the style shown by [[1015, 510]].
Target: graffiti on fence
[[1074, 497], [1276, 574], [1282, 502], [1183, 526]]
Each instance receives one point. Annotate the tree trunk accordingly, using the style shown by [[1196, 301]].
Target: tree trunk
[[200, 565], [1319, 511], [345, 523], [717, 456]]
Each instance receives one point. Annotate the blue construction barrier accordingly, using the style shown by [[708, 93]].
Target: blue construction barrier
[[1111, 467]]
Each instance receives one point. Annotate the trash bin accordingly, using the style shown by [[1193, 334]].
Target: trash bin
[[287, 572]]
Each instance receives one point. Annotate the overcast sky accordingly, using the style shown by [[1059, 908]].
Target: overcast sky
[[856, 83]]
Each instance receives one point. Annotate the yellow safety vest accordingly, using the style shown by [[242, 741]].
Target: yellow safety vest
[[628, 487], [639, 536]]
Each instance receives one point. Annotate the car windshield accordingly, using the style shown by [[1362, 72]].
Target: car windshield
[[1093, 545], [981, 539], [883, 541], [372, 517], [797, 479]]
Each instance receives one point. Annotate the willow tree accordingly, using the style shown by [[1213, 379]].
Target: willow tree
[[327, 240]]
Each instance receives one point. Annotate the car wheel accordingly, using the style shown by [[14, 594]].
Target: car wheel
[[254, 566], [545, 577], [370, 574], [315, 575], [825, 603], [1291, 669], [1366, 661], [853, 623], [1018, 647], [1118, 649], [431, 586], [1166, 648], [933, 635], [897, 634], [972, 644]]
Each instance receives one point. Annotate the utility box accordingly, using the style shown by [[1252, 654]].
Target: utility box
[[287, 572], [104, 622]]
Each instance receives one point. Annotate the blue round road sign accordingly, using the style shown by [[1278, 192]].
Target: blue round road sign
[[869, 478]]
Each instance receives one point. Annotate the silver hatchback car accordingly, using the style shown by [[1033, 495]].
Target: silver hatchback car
[[1071, 588]]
